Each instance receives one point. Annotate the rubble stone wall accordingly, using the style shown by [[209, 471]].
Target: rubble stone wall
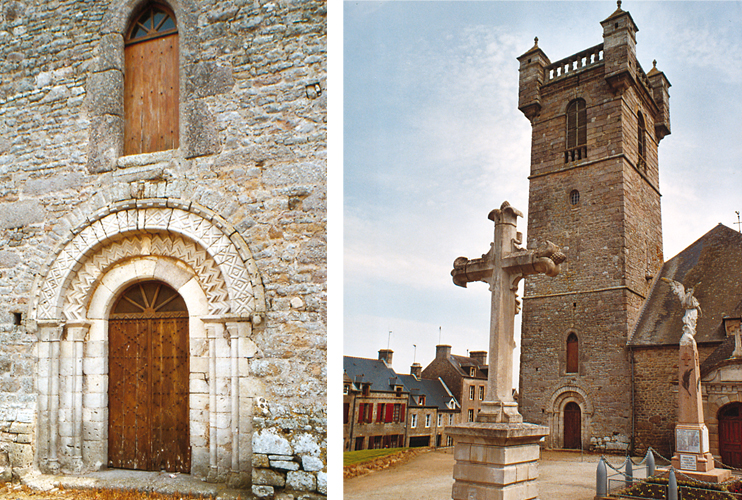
[[253, 152]]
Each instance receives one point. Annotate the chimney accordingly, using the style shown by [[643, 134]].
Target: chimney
[[442, 351], [385, 355], [416, 370], [479, 356]]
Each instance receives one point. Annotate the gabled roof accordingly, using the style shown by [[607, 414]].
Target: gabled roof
[[463, 363], [373, 371], [713, 266], [435, 391]]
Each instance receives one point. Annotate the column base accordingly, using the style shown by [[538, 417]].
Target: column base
[[496, 412], [497, 461]]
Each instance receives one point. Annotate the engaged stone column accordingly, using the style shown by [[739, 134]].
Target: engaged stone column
[[76, 333], [50, 334]]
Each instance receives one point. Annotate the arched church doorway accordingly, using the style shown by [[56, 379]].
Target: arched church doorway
[[572, 426], [730, 434], [148, 386]]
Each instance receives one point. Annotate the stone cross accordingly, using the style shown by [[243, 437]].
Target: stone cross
[[502, 268]]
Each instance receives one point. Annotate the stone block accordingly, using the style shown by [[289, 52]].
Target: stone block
[[110, 53], [284, 465], [20, 213], [322, 483], [105, 92], [262, 491], [106, 143], [301, 481], [260, 460], [201, 137], [268, 477], [269, 442], [311, 464], [209, 79]]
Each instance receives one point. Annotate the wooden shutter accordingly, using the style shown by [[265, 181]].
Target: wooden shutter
[[360, 413], [151, 83], [389, 413], [379, 412]]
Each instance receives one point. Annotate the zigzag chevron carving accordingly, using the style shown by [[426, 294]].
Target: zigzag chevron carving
[[164, 244], [228, 276]]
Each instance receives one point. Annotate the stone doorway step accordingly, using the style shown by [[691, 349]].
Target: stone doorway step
[[166, 483]]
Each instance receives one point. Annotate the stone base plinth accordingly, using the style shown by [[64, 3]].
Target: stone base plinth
[[496, 461], [703, 462], [711, 476]]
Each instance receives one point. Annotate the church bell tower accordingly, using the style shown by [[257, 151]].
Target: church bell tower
[[597, 119]]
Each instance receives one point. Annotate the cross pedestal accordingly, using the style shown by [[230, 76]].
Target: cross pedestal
[[497, 456]]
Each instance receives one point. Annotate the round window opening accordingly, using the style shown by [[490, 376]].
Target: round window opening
[[574, 197]]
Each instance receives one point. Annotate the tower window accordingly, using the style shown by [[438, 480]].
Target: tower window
[[642, 142], [574, 197], [572, 353], [576, 131]]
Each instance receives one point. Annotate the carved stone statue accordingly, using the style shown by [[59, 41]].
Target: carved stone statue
[[692, 310]]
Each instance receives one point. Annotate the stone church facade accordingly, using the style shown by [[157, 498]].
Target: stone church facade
[[597, 119], [201, 181]]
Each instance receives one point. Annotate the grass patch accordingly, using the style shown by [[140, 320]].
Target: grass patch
[[360, 456]]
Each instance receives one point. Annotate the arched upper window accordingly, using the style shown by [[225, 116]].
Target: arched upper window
[[572, 354], [576, 131], [642, 141], [151, 82]]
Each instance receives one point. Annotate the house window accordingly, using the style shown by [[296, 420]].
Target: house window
[[346, 390], [440, 419], [572, 353], [398, 415], [481, 393], [471, 415], [151, 82], [472, 372], [413, 420], [427, 420], [421, 400], [449, 441], [471, 392], [642, 144], [359, 443], [450, 419], [375, 442], [576, 147], [380, 412]]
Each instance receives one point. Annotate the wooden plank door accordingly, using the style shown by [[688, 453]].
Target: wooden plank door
[[572, 426], [151, 95], [148, 389], [730, 435]]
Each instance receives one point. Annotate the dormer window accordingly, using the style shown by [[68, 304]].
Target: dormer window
[[421, 400], [472, 372], [346, 390]]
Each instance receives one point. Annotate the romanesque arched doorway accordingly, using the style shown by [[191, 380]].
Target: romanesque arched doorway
[[148, 380], [730, 434], [572, 426]]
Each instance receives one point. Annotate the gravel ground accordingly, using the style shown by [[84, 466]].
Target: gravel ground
[[562, 476]]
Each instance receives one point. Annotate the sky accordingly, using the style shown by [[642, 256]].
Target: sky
[[433, 140]]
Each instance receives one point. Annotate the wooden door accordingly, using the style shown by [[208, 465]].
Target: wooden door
[[151, 83], [148, 380], [572, 426], [730, 435]]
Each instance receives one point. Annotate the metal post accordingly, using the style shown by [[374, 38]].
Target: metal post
[[601, 482], [650, 462], [672, 487], [629, 472]]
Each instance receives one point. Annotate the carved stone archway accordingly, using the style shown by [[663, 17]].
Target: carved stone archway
[[207, 262], [559, 400]]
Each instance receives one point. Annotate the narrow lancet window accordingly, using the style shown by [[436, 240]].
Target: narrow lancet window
[[576, 131], [572, 354]]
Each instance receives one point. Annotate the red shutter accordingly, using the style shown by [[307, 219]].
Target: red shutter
[[379, 412], [402, 417], [360, 413], [389, 413], [346, 409]]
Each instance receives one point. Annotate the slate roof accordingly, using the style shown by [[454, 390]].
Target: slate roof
[[459, 362], [375, 371], [435, 391], [713, 266]]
